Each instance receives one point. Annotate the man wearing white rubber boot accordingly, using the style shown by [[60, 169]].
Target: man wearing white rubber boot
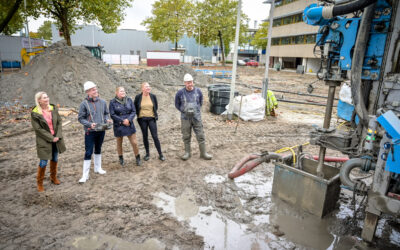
[[94, 116]]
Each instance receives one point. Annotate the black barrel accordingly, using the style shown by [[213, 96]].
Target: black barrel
[[218, 95]]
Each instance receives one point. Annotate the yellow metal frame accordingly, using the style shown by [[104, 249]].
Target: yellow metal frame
[[26, 56]]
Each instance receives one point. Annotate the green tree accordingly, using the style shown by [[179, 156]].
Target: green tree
[[217, 21], [34, 35], [170, 21], [260, 38], [13, 13], [67, 13], [44, 30]]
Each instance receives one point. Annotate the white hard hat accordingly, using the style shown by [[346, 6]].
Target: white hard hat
[[187, 78], [88, 85]]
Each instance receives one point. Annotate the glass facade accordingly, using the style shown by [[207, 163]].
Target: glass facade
[[283, 2], [292, 40], [288, 20]]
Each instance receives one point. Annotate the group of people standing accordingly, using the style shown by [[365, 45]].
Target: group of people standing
[[96, 118]]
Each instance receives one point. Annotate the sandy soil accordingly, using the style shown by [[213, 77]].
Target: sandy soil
[[171, 204]]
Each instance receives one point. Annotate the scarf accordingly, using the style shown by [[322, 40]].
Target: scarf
[[122, 101]]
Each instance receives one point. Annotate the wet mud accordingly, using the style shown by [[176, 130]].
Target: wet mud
[[172, 204]]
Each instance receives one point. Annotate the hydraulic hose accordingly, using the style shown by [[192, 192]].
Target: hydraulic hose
[[358, 60], [351, 7], [350, 165]]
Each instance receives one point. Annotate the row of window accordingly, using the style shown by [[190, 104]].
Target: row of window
[[283, 2], [302, 39], [288, 20]]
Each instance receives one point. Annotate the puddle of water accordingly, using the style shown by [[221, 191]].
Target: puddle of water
[[299, 230], [102, 241], [298, 227], [218, 231]]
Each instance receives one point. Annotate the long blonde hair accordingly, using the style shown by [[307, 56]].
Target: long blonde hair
[[38, 96]]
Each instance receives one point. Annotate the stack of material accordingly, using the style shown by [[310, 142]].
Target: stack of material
[[219, 95]]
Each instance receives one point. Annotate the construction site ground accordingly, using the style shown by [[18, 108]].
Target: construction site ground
[[175, 204]]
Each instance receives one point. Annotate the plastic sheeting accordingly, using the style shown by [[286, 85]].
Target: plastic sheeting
[[252, 109]]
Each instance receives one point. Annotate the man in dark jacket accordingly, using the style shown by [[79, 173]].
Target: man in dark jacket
[[188, 101], [93, 115]]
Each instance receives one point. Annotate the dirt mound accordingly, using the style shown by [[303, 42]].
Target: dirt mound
[[163, 76], [60, 71]]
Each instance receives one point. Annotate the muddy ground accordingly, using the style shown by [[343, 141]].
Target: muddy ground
[[173, 204]]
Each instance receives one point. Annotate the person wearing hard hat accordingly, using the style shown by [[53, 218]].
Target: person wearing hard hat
[[188, 101], [94, 116]]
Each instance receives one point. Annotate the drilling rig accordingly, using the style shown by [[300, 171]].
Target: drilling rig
[[357, 41]]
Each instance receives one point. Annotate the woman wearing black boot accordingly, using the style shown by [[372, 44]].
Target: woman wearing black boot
[[122, 112], [146, 107]]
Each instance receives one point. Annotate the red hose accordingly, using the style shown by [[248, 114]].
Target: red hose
[[249, 165], [332, 158], [242, 162]]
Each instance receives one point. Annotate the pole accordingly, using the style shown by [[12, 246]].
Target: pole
[[27, 29], [198, 49], [268, 49], [327, 122], [93, 35], [232, 95]]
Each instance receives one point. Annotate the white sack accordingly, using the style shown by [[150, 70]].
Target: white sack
[[345, 94], [253, 107]]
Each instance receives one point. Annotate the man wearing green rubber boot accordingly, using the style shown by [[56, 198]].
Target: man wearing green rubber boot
[[188, 101]]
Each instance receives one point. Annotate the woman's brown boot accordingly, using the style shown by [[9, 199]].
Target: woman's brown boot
[[40, 177], [53, 173]]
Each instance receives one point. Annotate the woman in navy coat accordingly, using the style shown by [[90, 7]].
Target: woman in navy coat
[[122, 113]]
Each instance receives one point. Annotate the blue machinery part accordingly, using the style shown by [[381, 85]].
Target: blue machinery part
[[391, 124], [338, 35]]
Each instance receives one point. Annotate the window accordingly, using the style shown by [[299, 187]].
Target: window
[[277, 22], [298, 18], [275, 41], [301, 39], [311, 38], [288, 20], [286, 40], [283, 2]]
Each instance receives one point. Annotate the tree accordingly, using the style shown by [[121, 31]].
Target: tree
[[260, 38], [107, 13], [13, 13], [44, 30], [33, 35], [217, 21], [170, 21]]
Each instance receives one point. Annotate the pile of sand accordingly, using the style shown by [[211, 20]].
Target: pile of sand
[[163, 76], [61, 71]]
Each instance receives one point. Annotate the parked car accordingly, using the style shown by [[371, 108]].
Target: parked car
[[252, 63], [197, 61], [246, 60], [241, 63]]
